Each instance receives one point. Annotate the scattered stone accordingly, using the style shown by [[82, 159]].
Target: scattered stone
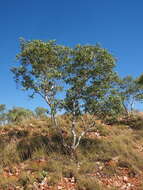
[[100, 167], [125, 179]]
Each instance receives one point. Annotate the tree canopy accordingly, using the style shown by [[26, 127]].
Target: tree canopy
[[41, 69]]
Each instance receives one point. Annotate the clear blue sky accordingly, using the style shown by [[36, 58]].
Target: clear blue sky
[[116, 24]]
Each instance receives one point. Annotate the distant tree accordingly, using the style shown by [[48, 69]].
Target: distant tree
[[140, 79], [108, 109], [2, 114], [17, 114], [41, 112], [130, 91]]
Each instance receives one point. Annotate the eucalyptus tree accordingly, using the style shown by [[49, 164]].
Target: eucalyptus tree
[[140, 79], [41, 112], [90, 79], [17, 114], [41, 69], [2, 114], [130, 91]]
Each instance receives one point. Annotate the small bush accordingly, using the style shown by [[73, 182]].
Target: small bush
[[23, 181], [70, 170], [134, 121], [87, 167], [17, 133], [9, 155], [87, 183], [53, 179]]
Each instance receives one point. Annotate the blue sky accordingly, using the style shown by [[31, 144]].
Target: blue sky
[[115, 24]]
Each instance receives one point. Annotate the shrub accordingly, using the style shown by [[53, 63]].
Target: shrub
[[134, 121], [87, 183]]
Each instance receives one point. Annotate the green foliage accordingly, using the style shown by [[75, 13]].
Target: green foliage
[[41, 69], [17, 134], [135, 121], [17, 114], [87, 70], [91, 78], [2, 107], [41, 112], [2, 114], [140, 79], [130, 91]]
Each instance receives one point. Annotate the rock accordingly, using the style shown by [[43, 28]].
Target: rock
[[123, 187], [125, 179], [128, 184], [100, 167], [116, 158], [60, 187], [117, 184], [36, 186], [72, 180], [44, 181]]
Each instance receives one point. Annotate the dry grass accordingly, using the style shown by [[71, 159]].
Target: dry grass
[[35, 145]]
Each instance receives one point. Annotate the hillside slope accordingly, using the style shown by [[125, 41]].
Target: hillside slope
[[31, 157]]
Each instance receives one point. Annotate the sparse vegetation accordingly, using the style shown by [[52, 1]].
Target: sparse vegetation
[[32, 158]]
